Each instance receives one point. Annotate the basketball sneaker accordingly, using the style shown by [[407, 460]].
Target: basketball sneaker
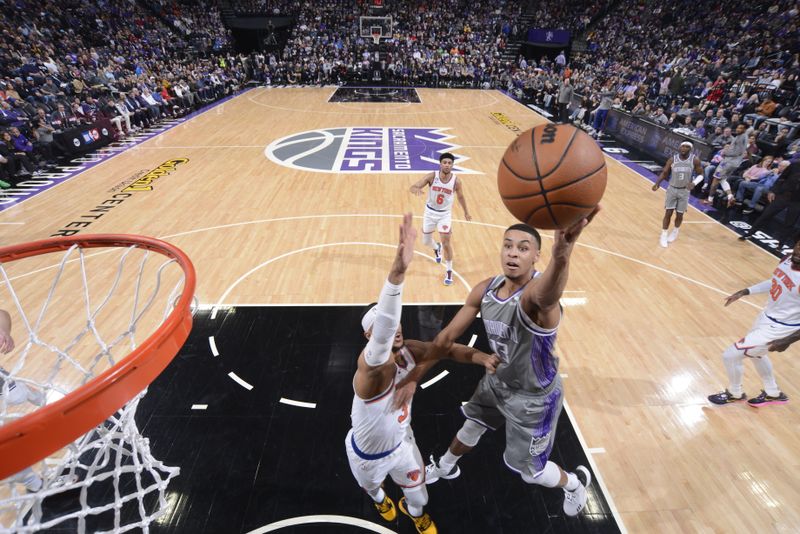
[[726, 397], [448, 278], [663, 240], [423, 523], [437, 253], [433, 472], [764, 399], [575, 500], [673, 235], [386, 508]]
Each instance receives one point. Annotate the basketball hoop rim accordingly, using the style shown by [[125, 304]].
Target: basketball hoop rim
[[28, 440]]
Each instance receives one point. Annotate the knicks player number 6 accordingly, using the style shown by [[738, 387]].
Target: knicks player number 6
[[499, 348], [776, 290], [439, 199]]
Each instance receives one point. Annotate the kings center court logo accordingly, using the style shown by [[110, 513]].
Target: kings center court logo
[[366, 150]]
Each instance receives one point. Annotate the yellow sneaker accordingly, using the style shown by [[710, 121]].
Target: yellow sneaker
[[424, 523], [386, 509]]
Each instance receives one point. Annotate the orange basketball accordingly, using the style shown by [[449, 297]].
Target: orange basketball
[[552, 176]]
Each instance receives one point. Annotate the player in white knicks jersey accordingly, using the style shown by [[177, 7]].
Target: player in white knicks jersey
[[775, 328], [381, 442], [444, 186], [521, 313]]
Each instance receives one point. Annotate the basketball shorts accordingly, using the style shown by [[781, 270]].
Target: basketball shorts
[[677, 199], [530, 419], [404, 465], [764, 330], [441, 221]]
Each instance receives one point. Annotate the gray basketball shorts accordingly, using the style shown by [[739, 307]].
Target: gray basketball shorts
[[530, 419], [677, 199]]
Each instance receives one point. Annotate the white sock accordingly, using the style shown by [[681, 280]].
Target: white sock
[[449, 264], [572, 482], [734, 366], [664, 233], [416, 511], [448, 460], [675, 230], [764, 368], [377, 495]]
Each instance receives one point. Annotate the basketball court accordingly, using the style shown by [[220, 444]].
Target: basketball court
[[287, 200]]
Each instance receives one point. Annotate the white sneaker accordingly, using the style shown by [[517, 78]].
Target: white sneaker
[[663, 240], [673, 235], [433, 472], [574, 501]]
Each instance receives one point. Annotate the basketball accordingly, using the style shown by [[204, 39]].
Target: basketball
[[552, 176]]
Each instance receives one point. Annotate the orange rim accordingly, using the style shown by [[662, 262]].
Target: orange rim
[[43, 432]]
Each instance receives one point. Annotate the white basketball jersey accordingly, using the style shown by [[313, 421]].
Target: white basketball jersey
[[377, 427], [783, 304], [440, 194]]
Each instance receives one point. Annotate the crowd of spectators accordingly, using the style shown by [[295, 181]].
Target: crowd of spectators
[[442, 43], [71, 62], [265, 7], [198, 21], [574, 16]]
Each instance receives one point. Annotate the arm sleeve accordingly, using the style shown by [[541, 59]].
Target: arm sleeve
[[387, 320], [761, 287]]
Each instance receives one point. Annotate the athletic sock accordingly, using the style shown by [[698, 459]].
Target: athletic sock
[[377, 496], [572, 482], [449, 264], [448, 460], [415, 511]]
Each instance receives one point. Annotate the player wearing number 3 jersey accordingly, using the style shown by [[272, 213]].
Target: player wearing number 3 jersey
[[776, 327], [443, 185]]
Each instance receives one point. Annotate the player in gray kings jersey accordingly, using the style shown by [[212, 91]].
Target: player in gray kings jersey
[[679, 169], [521, 313]]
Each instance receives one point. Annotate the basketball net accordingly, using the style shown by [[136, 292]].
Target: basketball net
[[91, 311]]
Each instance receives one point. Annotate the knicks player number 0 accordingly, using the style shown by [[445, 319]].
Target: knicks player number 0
[[439, 199], [776, 290]]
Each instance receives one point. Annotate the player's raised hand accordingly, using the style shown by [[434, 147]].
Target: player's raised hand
[[563, 239], [405, 246], [730, 299]]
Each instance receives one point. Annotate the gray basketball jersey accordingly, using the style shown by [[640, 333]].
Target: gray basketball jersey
[[681, 173], [526, 349]]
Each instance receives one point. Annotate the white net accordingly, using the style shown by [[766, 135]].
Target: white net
[[73, 320]]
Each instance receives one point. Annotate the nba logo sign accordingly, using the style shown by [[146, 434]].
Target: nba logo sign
[[365, 150]]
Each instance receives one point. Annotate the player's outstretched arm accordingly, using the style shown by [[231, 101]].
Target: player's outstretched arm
[[422, 355], [761, 287], [389, 307], [540, 300], [418, 186], [459, 324], [6, 341]]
